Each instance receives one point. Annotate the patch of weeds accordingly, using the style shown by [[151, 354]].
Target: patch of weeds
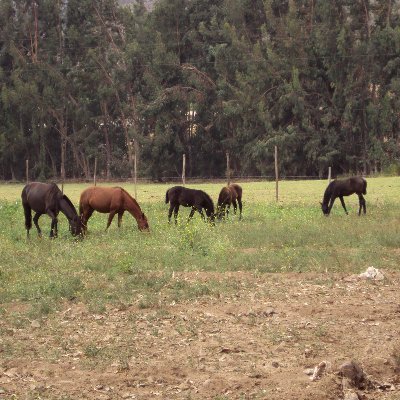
[[147, 301], [66, 287], [274, 335], [321, 331], [18, 321], [97, 306], [41, 309], [181, 290], [92, 351]]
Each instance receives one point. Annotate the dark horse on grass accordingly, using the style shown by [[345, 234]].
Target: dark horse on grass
[[47, 198], [112, 200], [197, 199], [345, 187], [229, 195]]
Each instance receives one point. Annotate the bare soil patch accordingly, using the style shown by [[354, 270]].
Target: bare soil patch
[[254, 344]]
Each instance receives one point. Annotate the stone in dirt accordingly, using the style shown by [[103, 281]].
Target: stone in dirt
[[319, 370], [372, 273], [353, 375], [351, 396]]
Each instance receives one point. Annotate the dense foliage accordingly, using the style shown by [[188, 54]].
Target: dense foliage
[[81, 78]]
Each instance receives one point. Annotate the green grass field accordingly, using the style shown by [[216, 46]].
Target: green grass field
[[124, 266]]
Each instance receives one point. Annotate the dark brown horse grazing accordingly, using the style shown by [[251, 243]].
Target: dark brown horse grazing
[[47, 198], [113, 200], [228, 195], [197, 199], [342, 188]]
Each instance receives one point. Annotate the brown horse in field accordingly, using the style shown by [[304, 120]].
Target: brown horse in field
[[228, 195], [345, 187], [113, 200]]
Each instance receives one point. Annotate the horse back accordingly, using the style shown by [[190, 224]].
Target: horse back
[[358, 184], [99, 198], [236, 191], [41, 196], [225, 196]]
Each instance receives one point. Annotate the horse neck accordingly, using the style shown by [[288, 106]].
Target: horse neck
[[132, 206], [209, 205], [67, 209], [327, 194]]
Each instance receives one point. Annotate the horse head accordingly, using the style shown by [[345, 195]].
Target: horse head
[[75, 225], [325, 208], [211, 215], [143, 224]]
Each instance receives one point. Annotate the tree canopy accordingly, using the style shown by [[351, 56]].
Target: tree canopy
[[79, 79]]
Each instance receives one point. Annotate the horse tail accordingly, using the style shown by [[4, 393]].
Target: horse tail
[[167, 197], [365, 187], [27, 209]]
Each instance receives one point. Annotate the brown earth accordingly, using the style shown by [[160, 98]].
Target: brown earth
[[253, 344]]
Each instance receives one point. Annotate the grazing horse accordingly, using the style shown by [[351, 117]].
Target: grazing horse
[[342, 188], [197, 199], [113, 200], [47, 198], [228, 195]]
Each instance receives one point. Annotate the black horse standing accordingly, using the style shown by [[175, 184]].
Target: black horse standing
[[346, 187], [47, 198], [197, 199]]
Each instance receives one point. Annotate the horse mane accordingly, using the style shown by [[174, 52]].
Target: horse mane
[[66, 198], [328, 193], [210, 202], [132, 198]]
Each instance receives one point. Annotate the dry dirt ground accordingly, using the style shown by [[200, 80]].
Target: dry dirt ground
[[255, 343]]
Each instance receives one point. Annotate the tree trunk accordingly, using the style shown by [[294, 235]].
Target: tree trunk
[[106, 119]]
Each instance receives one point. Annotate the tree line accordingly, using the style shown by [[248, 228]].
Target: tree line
[[79, 79]]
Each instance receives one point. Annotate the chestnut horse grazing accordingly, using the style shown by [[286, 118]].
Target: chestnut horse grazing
[[113, 200], [344, 187], [228, 195], [47, 198]]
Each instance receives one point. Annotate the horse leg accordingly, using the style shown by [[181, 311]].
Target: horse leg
[[234, 206], [343, 205], [120, 214], [28, 219], [191, 213], [200, 210], [171, 207], [53, 229], [176, 209], [36, 222], [85, 218], [110, 218], [228, 207], [362, 203], [240, 207]]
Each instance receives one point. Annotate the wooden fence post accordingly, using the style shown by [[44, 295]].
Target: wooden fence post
[[228, 169], [135, 167], [329, 174], [95, 171], [27, 170], [133, 157], [276, 175], [184, 170]]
